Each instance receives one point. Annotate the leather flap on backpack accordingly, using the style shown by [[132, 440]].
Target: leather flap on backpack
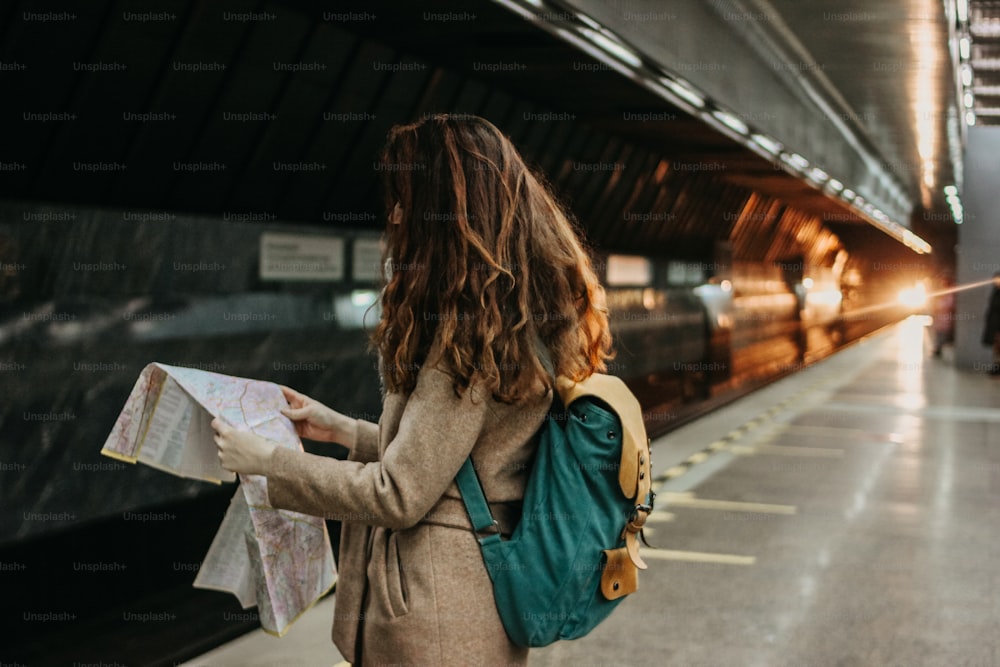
[[634, 469], [620, 576]]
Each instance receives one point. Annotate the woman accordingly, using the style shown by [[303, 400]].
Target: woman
[[488, 286]]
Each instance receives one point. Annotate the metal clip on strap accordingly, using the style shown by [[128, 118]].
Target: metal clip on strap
[[486, 527]]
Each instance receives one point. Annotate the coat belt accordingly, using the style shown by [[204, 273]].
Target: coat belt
[[450, 512]]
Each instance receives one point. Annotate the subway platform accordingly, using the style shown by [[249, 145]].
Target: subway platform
[[846, 515]]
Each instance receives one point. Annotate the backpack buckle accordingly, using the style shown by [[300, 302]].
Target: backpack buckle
[[483, 534], [634, 516]]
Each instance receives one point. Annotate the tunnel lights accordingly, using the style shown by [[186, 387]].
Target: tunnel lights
[[962, 10], [529, 9], [767, 143], [913, 241], [591, 23], [683, 91], [847, 194], [795, 160], [965, 48], [731, 121], [954, 203], [612, 46], [835, 185], [966, 75], [818, 175]]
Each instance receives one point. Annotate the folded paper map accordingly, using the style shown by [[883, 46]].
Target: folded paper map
[[280, 561]]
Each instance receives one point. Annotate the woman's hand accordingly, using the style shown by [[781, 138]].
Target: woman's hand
[[315, 421], [241, 451]]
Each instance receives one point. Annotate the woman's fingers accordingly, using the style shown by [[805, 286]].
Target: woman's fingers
[[293, 397], [298, 407], [296, 414]]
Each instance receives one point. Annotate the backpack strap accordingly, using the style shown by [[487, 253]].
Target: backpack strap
[[634, 476], [486, 527], [634, 471]]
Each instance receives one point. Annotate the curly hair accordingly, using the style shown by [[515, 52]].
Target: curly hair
[[481, 259]]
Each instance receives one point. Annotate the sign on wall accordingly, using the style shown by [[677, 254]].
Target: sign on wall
[[367, 260], [301, 257]]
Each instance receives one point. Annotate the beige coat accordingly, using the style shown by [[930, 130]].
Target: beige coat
[[412, 586]]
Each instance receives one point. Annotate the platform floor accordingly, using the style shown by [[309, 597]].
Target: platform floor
[[848, 515]]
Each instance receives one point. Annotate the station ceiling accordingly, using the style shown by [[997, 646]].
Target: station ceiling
[[893, 64], [91, 124], [984, 60]]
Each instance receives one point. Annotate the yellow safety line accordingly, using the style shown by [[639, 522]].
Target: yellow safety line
[[688, 500], [697, 458], [790, 450], [697, 557], [840, 432], [730, 441], [675, 471]]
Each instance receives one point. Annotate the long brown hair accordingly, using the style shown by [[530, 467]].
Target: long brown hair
[[484, 260]]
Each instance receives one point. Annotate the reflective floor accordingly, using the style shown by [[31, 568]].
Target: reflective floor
[[848, 515]]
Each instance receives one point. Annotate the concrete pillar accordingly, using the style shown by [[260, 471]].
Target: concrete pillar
[[978, 256]]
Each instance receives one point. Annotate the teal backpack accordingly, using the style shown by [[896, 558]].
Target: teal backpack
[[574, 555]]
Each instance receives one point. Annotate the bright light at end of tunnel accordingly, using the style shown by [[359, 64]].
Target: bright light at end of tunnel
[[913, 297], [726, 286], [807, 282]]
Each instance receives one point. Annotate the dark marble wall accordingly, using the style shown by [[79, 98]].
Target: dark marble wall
[[89, 296]]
